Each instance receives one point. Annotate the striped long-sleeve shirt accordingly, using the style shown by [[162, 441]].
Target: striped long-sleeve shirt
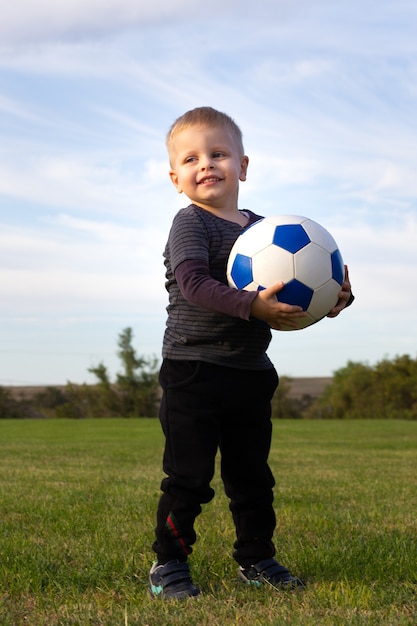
[[207, 320]]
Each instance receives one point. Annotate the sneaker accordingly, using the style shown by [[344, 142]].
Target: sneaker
[[271, 572], [171, 580]]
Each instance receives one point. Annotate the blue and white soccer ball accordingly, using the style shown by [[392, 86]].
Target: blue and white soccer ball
[[295, 250]]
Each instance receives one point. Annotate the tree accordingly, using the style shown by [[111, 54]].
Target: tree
[[284, 407], [134, 393], [10, 407], [138, 383], [386, 390]]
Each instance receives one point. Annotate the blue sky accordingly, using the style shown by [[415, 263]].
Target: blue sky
[[326, 95]]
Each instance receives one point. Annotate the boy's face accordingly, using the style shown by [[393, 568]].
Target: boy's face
[[207, 165]]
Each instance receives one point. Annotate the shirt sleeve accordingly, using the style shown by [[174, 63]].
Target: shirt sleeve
[[199, 288]]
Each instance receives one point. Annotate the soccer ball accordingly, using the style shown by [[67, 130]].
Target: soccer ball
[[295, 250]]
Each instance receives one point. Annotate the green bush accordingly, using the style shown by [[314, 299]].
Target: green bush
[[387, 390], [11, 407], [285, 407]]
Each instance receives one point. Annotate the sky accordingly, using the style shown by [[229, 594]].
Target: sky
[[326, 96]]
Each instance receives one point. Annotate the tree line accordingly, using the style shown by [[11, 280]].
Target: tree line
[[386, 390]]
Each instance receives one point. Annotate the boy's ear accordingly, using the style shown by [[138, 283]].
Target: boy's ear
[[174, 179], [244, 162]]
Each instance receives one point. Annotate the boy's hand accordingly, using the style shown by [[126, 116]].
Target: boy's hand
[[344, 296], [267, 308]]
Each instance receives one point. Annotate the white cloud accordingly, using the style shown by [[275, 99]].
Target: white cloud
[[75, 19], [37, 21], [82, 181], [382, 260], [63, 291], [15, 108], [81, 265], [269, 172]]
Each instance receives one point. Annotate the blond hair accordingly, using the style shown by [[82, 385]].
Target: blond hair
[[204, 116]]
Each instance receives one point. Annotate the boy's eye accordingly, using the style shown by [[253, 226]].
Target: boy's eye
[[190, 159], [217, 154]]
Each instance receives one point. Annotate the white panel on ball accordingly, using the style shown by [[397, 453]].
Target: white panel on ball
[[271, 265], [324, 298], [313, 266], [255, 238], [319, 235]]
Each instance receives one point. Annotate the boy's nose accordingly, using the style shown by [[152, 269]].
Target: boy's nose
[[206, 164]]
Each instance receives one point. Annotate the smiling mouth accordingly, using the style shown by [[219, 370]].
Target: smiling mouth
[[208, 180]]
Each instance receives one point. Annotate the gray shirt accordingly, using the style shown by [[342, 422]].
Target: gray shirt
[[221, 331]]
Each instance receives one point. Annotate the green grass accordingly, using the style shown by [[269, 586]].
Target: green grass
[[77, 506]]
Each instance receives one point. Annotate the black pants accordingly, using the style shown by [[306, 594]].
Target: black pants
[[204, 408]]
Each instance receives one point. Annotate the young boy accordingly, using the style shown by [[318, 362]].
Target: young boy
[[216, 377]]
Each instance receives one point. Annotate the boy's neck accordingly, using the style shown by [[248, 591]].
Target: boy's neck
[[230, 214]]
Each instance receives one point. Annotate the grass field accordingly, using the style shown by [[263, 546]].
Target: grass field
[[77, 503]]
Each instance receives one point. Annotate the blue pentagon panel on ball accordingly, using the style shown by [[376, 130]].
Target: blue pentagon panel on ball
[[338, 268], [241, 271], [291, 237], [297, 293]]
